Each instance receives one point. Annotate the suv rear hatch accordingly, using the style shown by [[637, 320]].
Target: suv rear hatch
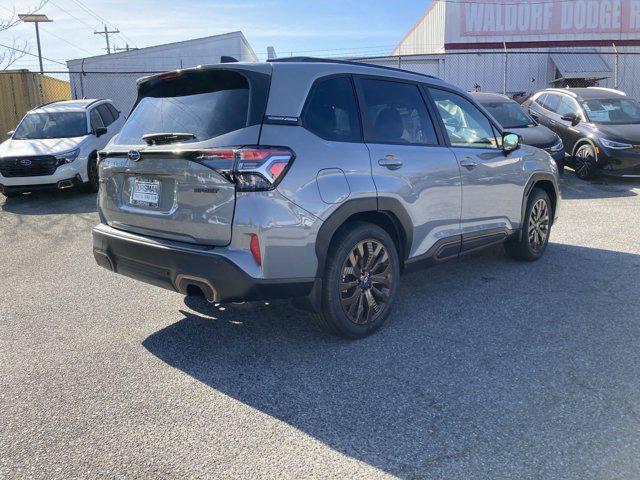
[[153, 180]]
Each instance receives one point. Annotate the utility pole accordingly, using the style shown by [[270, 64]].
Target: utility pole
[[36, 18], [106, 34]]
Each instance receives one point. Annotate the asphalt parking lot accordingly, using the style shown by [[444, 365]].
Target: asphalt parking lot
[[488, 368]]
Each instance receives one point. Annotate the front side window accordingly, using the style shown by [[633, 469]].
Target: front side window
[[464, 123], [612, 111], [51, 125], [331, 111], [540, 99], [567, 106], [509, 114], [551, 102], [395, 112]]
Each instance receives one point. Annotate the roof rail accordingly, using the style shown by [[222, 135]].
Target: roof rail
[[45, 104], [342, 62], [94, 101], [562, 90], [611, 90]]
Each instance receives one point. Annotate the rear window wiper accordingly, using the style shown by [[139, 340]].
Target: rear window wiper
[[166, 137]]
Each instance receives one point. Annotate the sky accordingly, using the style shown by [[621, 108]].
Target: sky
[[315, 28]]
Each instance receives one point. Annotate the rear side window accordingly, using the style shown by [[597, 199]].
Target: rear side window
[[395, 113], [114, 112], [204, 104], [331, 111], [96, 119], [105, 113]]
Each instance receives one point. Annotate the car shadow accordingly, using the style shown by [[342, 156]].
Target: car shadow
[[573, 188], [50, 202], [484, 360]]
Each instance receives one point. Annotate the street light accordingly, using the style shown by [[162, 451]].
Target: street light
[[35, 18]]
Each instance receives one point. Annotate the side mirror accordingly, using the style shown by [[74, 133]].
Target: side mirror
[[100, 131], [10, 133], [571, 117], [510, 142]]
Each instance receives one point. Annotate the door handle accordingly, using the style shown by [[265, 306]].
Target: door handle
[[469, 163], [391, 162]]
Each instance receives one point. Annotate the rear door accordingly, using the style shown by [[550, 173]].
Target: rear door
[[409, 162], [166, 173]]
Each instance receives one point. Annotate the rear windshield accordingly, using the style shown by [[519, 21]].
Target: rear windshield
[[509, 114], [202, 104]]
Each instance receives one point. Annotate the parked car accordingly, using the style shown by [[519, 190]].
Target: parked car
[[513, 118], [600, 128], [321, 180], [55, 146]]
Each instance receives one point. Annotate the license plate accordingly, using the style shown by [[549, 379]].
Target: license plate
[[145, 192]]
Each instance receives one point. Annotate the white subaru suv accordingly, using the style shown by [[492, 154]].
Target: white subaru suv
[[55, 146]]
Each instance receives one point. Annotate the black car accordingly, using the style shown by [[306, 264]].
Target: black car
[[509, 114], [600, 128]]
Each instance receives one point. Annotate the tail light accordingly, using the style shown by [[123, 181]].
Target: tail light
[[250, 168], [255, 249]]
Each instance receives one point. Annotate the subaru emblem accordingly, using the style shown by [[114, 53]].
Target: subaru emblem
[[25, 162], [134, 155]]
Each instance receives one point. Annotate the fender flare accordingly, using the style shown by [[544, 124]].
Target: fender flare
[[531, 183], [581, 142], [388, 206]]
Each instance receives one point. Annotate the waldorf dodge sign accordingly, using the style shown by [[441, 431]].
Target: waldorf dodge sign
[[497, 18]]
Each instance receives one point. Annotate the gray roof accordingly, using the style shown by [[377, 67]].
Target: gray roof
[[587, 64]]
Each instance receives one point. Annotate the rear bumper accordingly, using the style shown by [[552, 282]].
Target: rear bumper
[[60, 185], [178, 266]]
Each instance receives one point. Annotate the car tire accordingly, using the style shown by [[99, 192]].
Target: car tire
[[536, 229], [584, 162], [93, 184], [360, 281]]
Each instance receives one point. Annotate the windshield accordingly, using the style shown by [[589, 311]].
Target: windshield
[[509, 114], [51, 125], [612, 111], [195, 108]]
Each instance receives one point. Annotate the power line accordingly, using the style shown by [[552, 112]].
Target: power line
[[31, 54], [103, 20], [66, 41], [71, 14]]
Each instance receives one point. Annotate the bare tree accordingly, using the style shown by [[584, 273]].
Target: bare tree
[[9, 54]]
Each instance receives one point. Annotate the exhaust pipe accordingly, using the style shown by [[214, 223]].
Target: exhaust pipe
[[63, 184], [183, 282]]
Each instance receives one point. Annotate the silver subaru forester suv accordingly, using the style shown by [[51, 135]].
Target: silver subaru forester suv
[[312, 179]]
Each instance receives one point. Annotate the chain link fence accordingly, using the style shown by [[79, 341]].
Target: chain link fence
[[514, 73], [520, 73]]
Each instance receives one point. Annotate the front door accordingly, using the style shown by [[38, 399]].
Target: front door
[[565, 128], [492, 181], [410, 164]]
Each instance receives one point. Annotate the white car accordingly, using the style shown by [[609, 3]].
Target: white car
[[55, 146]]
